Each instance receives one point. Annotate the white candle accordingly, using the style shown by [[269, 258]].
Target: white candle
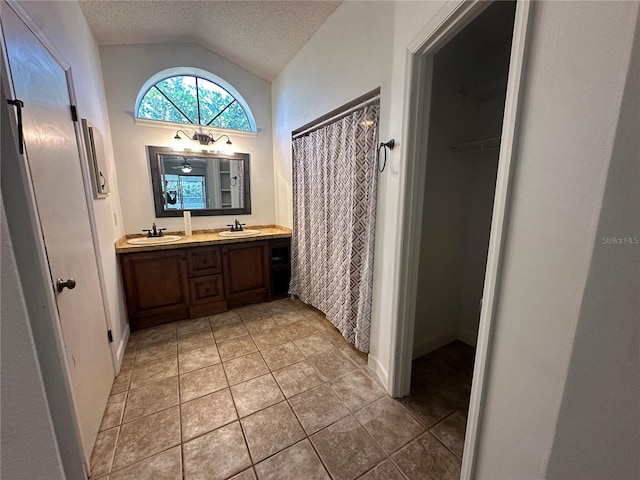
[[187, 223]]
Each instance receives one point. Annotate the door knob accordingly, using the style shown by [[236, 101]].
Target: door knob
[[60, 284]]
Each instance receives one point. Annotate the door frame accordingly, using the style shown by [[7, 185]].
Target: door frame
[[449, 21], [33, 265]]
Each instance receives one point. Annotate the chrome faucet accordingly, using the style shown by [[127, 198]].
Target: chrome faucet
[[237, 226]]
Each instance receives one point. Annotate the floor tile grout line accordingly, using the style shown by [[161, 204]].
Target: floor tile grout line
[[442, 441], [200, 435], [415, 417], [115, 445], [270, 372], [153, 454], [445, 446], [284, 448], [374, 467], [140, 460], [393, 462], [113, 453], [152, 413], [124, 409], [238, 419], [318, 453], [182, 462], [387, 455], [309, 435], [384, 452], [443, 419]]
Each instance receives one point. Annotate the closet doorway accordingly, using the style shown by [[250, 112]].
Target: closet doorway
[[465, 85]]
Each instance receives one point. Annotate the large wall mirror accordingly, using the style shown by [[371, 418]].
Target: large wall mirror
[[202, 183]]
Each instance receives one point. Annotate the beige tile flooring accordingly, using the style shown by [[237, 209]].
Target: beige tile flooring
[[273, 391]]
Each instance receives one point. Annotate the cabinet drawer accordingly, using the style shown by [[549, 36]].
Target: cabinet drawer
[[206, 289], [204, 261]]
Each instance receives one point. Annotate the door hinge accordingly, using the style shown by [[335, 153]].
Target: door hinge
[[110, 336], [19, 104], [74, 113]]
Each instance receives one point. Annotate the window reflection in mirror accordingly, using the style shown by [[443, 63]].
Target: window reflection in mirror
[[203, 183]]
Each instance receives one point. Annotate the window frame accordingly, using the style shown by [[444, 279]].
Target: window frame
[[198, 73]]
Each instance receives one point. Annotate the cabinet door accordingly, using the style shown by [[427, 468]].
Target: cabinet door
[[246, 273], [156, 287]]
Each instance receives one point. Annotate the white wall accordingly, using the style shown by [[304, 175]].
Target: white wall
[[598, 429], [360, 47], [575, 76], [125, 69], [65, 27]]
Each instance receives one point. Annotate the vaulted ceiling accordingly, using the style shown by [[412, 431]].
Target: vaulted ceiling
[[261, 36]]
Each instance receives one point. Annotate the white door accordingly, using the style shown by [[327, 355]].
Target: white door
[[53, 160]]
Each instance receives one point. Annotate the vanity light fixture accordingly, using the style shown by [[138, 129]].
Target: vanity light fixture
[[203, 138]]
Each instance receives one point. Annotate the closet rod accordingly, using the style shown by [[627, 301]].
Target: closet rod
[[477, 146], [337, 114]]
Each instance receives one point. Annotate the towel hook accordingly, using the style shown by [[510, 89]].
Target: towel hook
[[390, 144]]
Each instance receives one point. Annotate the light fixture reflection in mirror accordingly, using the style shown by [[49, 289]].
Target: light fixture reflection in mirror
[[200, 182]]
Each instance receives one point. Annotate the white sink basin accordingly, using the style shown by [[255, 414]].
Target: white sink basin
[[242, 234], [154, 240]]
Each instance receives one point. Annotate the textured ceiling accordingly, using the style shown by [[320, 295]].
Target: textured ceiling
[[260, 36]]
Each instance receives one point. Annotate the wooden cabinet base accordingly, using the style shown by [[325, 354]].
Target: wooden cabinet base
[[151, 320], [238, 300], [197, 311]]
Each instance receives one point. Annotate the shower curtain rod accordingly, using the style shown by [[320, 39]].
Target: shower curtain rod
[[337, 114]]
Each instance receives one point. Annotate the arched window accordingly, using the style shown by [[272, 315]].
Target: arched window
[[190, 98]]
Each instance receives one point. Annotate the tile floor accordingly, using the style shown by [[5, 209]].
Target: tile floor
[[273, 391]]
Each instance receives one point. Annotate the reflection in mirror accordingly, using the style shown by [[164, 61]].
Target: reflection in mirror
[[203, 183]]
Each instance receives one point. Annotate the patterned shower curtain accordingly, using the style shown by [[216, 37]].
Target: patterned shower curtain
[[334, 218]]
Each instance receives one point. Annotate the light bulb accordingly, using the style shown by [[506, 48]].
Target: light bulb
[[227, 147]]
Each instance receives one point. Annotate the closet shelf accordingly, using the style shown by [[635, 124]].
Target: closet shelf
[[486, 90], [477, 146]]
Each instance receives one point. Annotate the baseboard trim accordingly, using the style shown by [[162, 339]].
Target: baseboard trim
[[381, 372], [122, 347], [468, 336], [433, 343]]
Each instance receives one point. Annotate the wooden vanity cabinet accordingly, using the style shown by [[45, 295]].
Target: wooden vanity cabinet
[[246, 273], [156, 287], [169, 285]]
